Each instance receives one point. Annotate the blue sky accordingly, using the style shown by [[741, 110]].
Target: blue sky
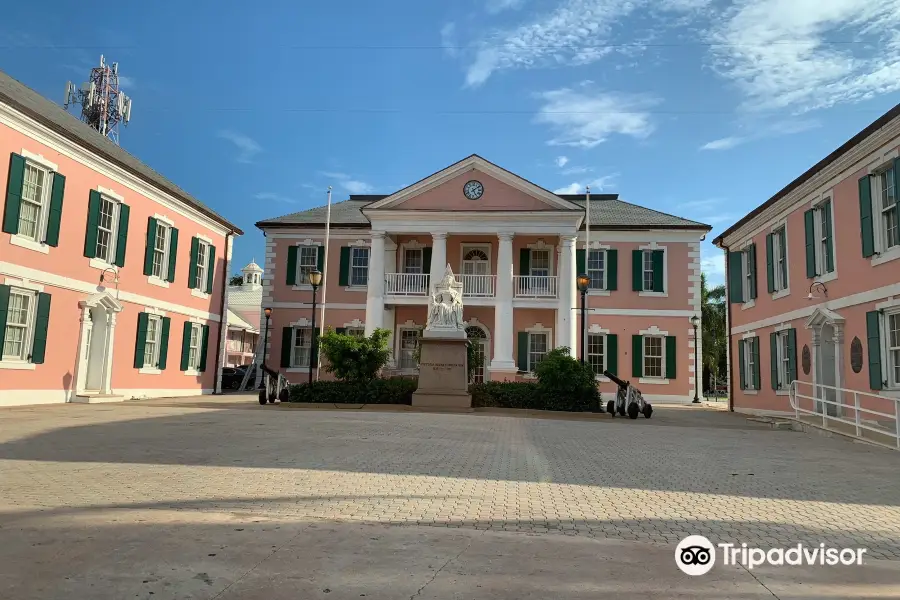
[[702, 108]]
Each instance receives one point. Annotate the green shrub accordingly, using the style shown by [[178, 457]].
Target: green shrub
[[505, 394], [395, 390], [564, 383], [353, 358]]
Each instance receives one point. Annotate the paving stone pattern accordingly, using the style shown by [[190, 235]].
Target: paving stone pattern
[[683, 472]]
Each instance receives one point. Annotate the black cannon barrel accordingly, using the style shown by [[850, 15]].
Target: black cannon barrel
[[616, 380]]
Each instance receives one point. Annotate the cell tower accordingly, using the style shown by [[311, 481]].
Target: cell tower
[[103, 104]]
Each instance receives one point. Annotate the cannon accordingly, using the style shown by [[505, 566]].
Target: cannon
[[628, 400]]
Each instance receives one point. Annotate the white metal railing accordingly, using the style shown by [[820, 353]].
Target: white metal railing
[[406, 284], [239, 346], [861, 411], [478, 285], [534, 286]]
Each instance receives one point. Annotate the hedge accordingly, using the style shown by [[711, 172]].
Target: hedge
[[395, 390], [525, 394]]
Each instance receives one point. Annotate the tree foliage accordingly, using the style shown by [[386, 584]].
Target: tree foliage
[[236, 280], [352, 358], [561, 376], [715, 336]]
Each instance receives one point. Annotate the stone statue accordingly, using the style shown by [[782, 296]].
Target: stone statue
[[445, 309]]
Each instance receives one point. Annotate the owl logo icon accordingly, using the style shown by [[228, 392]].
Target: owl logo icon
[[695, 555]]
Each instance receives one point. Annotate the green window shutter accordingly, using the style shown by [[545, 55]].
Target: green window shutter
[[770, 262], [782, 241], [637, 270], [612, 353], [659, 259], [873, 338], [13, 193], [773, 358], [186, 345], [122, 235], [751, 266], [829, 241], [580, 262], [192, 269], [164, 343], [320, 260], [93, 221], [524, 261], [140, 340], [151, 244], [54, 215], [671, 353], [743, 373], [866, 222], [754, 346], [735, 278], [41, 325], [809, 226], [314, 355], [287, 341], [344, 275], [426, 261], [792, 355], [637, 356], [4, 310], [204, 343], [173, 254], [291, 276], [522, 351], [612, 270], [210, 269]]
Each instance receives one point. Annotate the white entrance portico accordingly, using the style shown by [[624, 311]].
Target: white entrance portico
[[827, 357], [93, 364]]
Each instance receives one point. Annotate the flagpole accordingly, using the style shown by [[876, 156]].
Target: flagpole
[[324, 277], [587, 228]]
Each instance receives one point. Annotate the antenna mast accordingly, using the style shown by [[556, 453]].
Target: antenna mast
[[103, 104]]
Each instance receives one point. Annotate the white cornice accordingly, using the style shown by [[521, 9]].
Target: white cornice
[[475, 222], [27, 126]]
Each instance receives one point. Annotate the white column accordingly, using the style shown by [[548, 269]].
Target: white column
[[438, 257], [566, 284], [503, 311], [388, 321], [81, 359], [108, 359], [375, 292]]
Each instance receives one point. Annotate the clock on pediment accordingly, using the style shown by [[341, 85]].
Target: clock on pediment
[[473, 190]]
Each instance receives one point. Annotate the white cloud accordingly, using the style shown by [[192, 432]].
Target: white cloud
[[718, 218], [247, 147], [561, 161], [759, 132], [495, 6], [127, 82], [584, 119], [724, 143], [269, 196], [334, 175], [597, 185], [448, 39], [683, 5], [712, 263], [782, 53], [702, 204], [350, 185], [576, 170]]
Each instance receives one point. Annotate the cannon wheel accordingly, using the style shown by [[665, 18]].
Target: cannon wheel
[[648, 410], [621, 409], [611, 408], [262, 395], [633, 410]]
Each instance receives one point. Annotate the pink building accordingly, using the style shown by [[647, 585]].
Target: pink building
[[112, 279], [814, 283], [517, 248]]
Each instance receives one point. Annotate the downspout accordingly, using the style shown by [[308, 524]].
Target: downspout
[[728, 327], [223, 324]]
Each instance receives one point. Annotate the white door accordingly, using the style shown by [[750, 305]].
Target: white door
[[479, 341], [95, 351], [826, 371], [476, 263]]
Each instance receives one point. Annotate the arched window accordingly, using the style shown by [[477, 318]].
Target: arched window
[[476, 254]]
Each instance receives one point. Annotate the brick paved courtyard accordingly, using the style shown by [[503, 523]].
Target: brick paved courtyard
[[683, 472]]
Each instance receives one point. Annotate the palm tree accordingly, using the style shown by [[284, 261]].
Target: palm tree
[[715, 337]]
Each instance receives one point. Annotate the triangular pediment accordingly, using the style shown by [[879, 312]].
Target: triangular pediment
[[102, 299], [501, 190], [823, 316]]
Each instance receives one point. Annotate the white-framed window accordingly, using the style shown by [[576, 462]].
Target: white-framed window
[[202, 265], [779, 260], [892, 345], [409, 343], [19, 325], [538, 346], [539, 265], [413, 261], [301, 353], [37, 184], [596, 269], [596, 352], [307, 262], [151, 343], [194, 346], [357, 332], [783, 359], [161, 251], [107, 229], [654, 356], [823, 236], [359, 266], [648, 270], [747, 272], [749, 365], [888, 210]]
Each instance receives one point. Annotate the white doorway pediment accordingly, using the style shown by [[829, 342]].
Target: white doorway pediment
[[823, 316], [103, 300]]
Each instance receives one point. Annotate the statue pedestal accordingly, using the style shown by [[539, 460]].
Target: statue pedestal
[[443, 381]]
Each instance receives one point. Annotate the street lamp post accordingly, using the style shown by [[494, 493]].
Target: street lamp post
[[583, 282], [315, 280], [268, 313], [698, 377]]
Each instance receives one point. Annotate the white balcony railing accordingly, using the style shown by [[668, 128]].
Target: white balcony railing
[[406, 284], [534, 286], [478, 285]]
